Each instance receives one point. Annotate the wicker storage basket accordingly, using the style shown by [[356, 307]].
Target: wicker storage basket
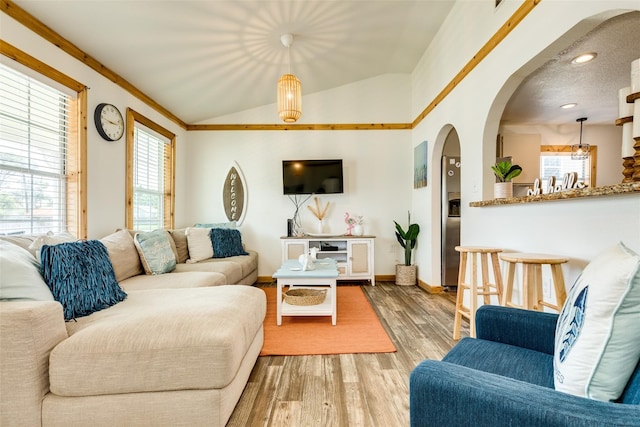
[[405, 275], [305, 296]]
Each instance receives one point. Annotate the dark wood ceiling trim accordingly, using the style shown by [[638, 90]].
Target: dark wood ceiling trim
[[38, 27], [265, 127], [494, 41]]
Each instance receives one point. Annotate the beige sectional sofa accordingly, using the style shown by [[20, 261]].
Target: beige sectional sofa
[[177, 351], [242, 269]]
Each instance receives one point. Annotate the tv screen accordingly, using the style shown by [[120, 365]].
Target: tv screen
[[312, 176]]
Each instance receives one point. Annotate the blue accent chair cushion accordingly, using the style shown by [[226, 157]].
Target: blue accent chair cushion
[[504, 377], [226, 242], [81, 277]]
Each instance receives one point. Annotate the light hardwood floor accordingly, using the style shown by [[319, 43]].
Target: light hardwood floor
[[353, 389]]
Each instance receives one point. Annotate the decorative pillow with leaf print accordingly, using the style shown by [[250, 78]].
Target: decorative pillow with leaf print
[[156, 253], [597, 346]]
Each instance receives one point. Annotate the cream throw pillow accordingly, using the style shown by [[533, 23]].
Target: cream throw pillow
[[123, 254], [199, 242], [597, 345], [182, 247]]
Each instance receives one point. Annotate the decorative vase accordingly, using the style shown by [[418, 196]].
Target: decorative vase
[[320, 226], [503, 190], [358, 230], [405, 275]]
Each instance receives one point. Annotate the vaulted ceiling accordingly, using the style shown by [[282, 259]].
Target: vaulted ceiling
[[205, 59], [202, 59]]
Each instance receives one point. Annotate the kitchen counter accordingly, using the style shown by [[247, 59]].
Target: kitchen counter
[[606, 191]]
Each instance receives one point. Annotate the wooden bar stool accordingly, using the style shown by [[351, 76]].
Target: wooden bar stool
[[532, 295], [485, 289]]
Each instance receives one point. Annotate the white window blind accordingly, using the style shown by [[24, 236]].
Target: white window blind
[[561, 163], [34, 132], [150, 172]]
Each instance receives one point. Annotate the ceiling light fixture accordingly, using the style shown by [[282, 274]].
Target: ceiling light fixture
[[583, 58], [289, 89], [580, 151], [569, 105]]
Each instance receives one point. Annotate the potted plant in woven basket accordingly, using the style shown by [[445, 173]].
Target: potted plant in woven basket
[[505, 172], [406, 273]]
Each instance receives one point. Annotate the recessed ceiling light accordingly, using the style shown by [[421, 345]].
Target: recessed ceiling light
[[585, 57], [570, 105]]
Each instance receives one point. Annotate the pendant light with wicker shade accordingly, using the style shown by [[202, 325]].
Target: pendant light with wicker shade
[[289, 89]]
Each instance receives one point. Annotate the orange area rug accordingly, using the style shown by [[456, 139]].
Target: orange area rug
[[357, 329]]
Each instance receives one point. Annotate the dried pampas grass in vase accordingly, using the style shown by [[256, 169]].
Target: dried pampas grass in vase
[[319, 213]]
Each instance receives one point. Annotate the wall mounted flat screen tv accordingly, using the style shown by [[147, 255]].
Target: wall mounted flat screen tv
[[312, 176]]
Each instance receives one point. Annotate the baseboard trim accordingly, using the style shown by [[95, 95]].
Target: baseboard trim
[[264, 279], [430, 288]]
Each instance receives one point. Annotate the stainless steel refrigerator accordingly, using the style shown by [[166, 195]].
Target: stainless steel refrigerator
[[450, 214]]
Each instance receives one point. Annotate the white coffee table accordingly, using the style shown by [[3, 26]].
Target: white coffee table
[[324, 275]]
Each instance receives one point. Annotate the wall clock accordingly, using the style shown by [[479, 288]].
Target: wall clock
[[109, 122]]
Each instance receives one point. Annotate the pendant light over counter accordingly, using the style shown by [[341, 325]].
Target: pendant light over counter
[[580, 151], [289, 89]]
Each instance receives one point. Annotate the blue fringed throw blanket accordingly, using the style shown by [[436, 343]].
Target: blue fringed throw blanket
[[80, 276]]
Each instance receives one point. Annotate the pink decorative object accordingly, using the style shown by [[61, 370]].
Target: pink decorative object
[[350, 223]]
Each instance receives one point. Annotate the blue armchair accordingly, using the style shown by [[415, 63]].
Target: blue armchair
[[504, 377]]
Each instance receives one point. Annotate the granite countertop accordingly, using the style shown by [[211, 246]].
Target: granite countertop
[[610, 190]]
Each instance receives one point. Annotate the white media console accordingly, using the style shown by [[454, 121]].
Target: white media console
[[353, 254]]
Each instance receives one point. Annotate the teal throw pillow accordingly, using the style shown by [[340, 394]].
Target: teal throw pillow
[[155, 251], [226, 242], [230, 224], [81, 277]]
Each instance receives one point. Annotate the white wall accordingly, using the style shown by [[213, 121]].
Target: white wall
[[378, 168], [106, 160], [474, 109]]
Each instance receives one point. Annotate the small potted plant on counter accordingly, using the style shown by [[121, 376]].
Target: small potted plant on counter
[[505, 172], [406, 273]]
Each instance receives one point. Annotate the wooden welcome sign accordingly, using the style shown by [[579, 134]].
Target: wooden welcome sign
[[234, 194]]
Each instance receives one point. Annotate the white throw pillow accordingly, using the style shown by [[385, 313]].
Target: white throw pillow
[[50, 239], [20, 277], [199, 243], [597, 345]]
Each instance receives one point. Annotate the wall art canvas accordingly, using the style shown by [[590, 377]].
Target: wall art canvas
[[420, 165]]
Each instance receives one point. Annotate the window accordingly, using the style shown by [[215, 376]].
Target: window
[[555, 160], [150, 178], [40, 160]]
